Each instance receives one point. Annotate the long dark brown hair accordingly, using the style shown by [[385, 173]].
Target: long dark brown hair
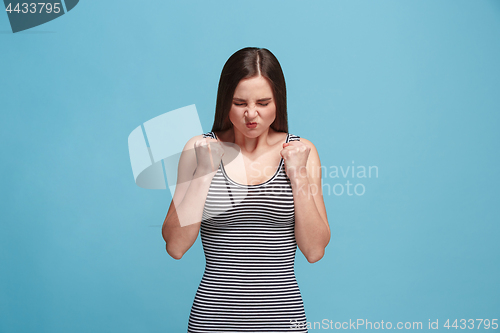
[[247, 63]]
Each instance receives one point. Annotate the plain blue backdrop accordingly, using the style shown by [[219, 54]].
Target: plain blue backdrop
[[411, 87]]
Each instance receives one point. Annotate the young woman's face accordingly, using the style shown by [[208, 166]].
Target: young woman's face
[[253, 109]]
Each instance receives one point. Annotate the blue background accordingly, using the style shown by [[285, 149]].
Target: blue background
[[411, 87]]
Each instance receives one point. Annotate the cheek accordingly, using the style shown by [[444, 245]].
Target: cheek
[[233, 114], [271, 114]]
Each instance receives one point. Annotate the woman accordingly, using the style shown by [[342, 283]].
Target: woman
[[254, 192]]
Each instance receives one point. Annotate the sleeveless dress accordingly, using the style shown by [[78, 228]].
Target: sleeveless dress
[[247, 233]]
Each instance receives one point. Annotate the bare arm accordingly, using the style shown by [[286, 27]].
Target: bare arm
[[312, 231], [182, 223]]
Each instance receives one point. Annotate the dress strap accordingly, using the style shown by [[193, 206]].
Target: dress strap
[[209, 134], [291, 137]]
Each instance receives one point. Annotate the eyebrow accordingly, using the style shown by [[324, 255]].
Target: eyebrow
[[259, 100]]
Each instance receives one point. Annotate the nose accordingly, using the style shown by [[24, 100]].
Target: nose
[[251, 111]]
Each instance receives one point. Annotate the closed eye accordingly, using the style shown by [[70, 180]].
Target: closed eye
[[260, 103]]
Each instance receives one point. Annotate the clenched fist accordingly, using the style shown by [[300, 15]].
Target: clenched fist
[[209, 154], [295, 154]]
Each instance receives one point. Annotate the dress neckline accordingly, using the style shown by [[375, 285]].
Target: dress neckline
[[255, 185]]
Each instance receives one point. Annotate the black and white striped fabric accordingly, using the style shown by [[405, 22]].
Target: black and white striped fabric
[[249, 283]]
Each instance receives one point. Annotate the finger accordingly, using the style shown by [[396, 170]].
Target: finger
[[219, 144], [290, 148], [210, 154]]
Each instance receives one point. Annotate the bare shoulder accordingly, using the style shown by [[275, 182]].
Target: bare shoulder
[[187, 164], [190, 143]]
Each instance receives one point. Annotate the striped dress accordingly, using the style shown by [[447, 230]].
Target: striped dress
[[247, 233]]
